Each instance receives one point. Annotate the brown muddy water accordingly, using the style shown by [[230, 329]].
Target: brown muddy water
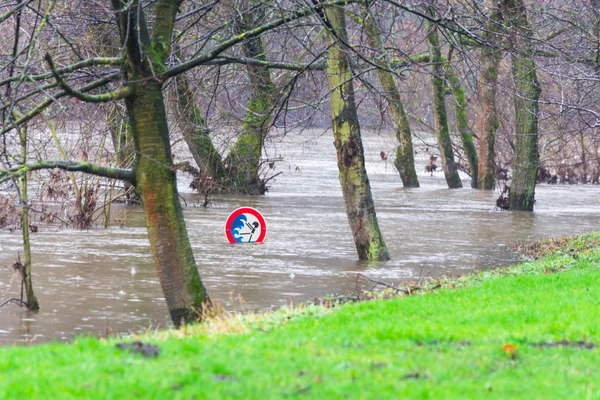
[[103, 280]]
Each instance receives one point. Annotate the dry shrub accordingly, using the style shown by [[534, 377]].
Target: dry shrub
[[85, 206], [10, 216]]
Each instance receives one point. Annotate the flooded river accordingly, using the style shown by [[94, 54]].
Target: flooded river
[[103, 280]]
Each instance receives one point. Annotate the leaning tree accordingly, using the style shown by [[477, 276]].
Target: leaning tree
[[137, 77]]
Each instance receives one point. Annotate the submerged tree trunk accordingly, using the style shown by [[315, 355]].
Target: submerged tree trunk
[[122, 138], [32, 301], [156, 182], [487, 118], [155, 177], [243, 161], [442, 129], [120, 132], [195, 132], [522, 188], [350, 153], [404, 162], [462, 123]]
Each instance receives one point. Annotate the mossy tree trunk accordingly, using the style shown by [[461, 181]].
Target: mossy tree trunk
[[195, 132], [487, 125], [356, 189], [522, 188], [32, 301], [460, 102], [239, 172], [122, 138], [404, 162], [440, 113], [243, 161], [462, 123], [155, 177]]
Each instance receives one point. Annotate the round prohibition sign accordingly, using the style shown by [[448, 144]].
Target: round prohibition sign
[[245, 225]]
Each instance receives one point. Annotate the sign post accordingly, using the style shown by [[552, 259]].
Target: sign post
[[246, 225]]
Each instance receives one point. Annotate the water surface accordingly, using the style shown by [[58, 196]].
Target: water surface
[[85, 284]]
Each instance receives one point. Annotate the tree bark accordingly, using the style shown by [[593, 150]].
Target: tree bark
[[120, 132], [487, 118], [155, 177], [404, 162], [32, 301], [239, 172], [462, 123], [243, 161], [195, 132], [522, 188], [356, 189], [442, 129]]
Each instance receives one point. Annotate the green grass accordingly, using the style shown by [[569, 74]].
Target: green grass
[[446, 344]]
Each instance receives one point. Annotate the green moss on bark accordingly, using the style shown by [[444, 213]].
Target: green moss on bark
[[404, 161], [356, 189], [442, 129]]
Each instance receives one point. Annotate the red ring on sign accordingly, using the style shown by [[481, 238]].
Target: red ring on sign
[[246, 210]]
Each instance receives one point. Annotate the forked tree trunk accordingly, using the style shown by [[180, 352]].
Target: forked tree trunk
[[239, 172], [522, 188], [487, 88], [243, 161], [404, 162], [442, 129], [356, 189], [155, 177]]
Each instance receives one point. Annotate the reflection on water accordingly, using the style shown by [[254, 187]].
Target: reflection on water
[[103, 281]]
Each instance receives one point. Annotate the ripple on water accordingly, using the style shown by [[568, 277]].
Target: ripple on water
[[429, 231]]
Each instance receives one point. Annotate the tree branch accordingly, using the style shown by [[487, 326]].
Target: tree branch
[[10, 12], [223, 46], [318, 65], [90, 98], [90, 62], [93, 169], [51, 99]]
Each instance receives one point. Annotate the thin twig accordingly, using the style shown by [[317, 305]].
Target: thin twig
[[408, 291], [16, 301]]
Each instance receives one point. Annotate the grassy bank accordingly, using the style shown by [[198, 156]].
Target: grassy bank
[[528, 331]]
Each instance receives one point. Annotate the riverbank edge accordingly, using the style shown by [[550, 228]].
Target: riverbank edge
[[549, 255], [99, 360]]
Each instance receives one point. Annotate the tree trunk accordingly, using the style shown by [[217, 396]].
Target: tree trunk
[[462, 123], [32, 301], [351, 162], [442, 129], [155, 177], [120, 132], [404, 162], [156, 183], [243, 161], [522, 188], [195, 132], [488, 119]]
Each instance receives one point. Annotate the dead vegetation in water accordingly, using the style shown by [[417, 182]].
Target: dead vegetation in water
[[380, 290], [569, 245], [18, 273], [10, 216]]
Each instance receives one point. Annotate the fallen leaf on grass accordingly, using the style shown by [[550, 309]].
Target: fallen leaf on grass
[[510, 350]]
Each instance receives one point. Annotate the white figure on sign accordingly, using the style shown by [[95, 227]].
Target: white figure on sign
[[245, 225]]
